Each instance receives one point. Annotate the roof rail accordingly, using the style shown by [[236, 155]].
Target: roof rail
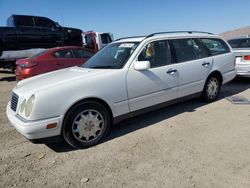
[[129, 37], [189, 32]]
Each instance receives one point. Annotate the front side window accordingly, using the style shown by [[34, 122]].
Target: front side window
[[113, 56], [63, 54], [215, 46], [240, 43], [44, 22], [158, 53], [79, 53]]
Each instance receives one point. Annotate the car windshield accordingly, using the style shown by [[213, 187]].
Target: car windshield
[[240, 43], [113, 56]]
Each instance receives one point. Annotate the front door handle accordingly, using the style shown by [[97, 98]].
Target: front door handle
[[171, 71], [205, 64]]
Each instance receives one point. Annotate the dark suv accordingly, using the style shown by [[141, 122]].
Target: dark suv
[[25, 32]]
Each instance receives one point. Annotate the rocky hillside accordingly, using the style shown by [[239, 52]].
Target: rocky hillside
[[236, 33]]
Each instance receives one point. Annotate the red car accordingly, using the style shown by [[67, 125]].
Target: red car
[[51, 59]]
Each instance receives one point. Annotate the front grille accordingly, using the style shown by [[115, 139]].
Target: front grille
[[14, 101]]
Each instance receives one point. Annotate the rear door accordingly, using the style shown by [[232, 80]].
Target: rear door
[[193, 64]]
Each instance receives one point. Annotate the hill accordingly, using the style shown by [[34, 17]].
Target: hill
[[236, 33]]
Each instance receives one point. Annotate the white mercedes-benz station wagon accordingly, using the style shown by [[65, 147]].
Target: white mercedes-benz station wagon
[[127, 77]]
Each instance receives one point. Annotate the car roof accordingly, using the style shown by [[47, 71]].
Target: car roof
[[172, 34]]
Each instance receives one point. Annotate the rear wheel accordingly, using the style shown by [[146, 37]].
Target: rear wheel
[[86, 124], [211, 89]]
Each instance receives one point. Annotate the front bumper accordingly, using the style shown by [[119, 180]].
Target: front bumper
[[35, 130]]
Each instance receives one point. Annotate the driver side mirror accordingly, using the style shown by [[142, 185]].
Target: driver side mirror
[[141, 65]]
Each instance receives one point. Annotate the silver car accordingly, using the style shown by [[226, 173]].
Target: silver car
[[241, 48]]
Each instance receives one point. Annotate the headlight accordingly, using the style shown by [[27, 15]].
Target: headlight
[[23, 106], [29, 105]]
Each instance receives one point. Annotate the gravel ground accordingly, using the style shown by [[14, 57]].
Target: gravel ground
[[190, 144]]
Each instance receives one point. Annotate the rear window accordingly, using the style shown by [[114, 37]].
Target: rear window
[[215, 46], [240, 43]]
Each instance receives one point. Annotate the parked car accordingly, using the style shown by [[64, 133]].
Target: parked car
[[241, 48], [51, 60], [127, 77], [26, 32]]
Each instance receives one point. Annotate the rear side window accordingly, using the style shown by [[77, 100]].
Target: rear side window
[[63, 54], [188, 49], [158, 53], [79, 53], [25, 21], [240, 43], [215, 46]]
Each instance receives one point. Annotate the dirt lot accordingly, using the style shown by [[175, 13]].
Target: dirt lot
[[191, 144]]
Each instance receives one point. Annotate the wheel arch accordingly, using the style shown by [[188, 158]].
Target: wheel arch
[[217, 74], [92, 99]]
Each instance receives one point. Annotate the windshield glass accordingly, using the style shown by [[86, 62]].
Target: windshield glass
[[240, 43], [113, 56]]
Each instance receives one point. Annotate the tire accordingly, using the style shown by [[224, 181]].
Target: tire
[[211, 89], [86, 124]]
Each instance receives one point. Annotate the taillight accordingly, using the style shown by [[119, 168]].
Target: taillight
[[246, 57], [28, 64]]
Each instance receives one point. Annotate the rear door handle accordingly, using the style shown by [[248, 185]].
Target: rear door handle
[[171, 71], [205, 64]]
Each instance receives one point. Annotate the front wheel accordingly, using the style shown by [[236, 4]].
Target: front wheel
[[86, 124], [211, 89]]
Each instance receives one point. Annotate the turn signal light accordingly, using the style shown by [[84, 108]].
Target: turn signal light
[[51, 125]]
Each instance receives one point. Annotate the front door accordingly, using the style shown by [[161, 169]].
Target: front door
[[157, 84]]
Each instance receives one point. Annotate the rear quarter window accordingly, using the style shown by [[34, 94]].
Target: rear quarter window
[[215, 46]]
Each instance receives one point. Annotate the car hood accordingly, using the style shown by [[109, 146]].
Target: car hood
[[53, 79]]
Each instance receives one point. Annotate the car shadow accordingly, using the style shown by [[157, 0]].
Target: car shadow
[[8, 79], [8, 76], [142, 121]]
